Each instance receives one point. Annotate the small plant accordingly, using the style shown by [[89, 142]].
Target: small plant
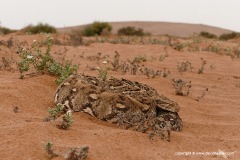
[[182, 88], [116, 61], [67, 121], [103, 73], [55, 112], [165, 73], [162, 57], [7, 64], [184, 66], [140, 58], [39, 28], [49, 149], [8, 43], [200, 71], [77, 153], [63, 70]]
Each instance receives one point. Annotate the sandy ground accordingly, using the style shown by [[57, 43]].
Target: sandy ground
[[210, 125]]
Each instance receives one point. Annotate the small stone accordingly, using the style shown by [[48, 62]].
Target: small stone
[[121, 106], [74, 90], [93, 96], [66, 84]]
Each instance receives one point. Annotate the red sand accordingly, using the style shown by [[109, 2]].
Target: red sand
[[210, 125]]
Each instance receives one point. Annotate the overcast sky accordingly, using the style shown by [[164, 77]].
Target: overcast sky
[[16, 14]]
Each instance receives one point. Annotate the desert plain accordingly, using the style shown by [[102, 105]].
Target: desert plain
[[210, 112]]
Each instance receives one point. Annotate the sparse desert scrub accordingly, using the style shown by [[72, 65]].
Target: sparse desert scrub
[[97, 28], [5, 30], [39, 28], [75, 153], [131, 31], [141, 58], [141, 40], [151, 73], [213, 48], [207, 35], [180, 46], [42, 62], [8, 43], [184, 66], [228, 36], [116, 61], [7, 64]]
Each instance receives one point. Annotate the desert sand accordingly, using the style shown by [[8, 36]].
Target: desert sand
[[210, 124]]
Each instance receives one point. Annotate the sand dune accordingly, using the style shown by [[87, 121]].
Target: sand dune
[[160, 28]]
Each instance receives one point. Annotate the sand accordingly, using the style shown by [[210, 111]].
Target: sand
[[210, 124]]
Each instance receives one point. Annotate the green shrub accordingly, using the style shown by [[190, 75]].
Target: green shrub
[[55, 112], [43, 62], [208, 35], [67, 121], [39, 28], [131, 31], [4, 30], [97, 28], [228, 36]]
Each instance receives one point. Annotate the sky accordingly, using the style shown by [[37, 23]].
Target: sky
[[16, 14]]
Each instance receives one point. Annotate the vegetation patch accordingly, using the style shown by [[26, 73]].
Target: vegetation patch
[[5, 30], [131, 31], [39, 61], [207, 35], [228, 36], [97, 28], [39, 28]]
